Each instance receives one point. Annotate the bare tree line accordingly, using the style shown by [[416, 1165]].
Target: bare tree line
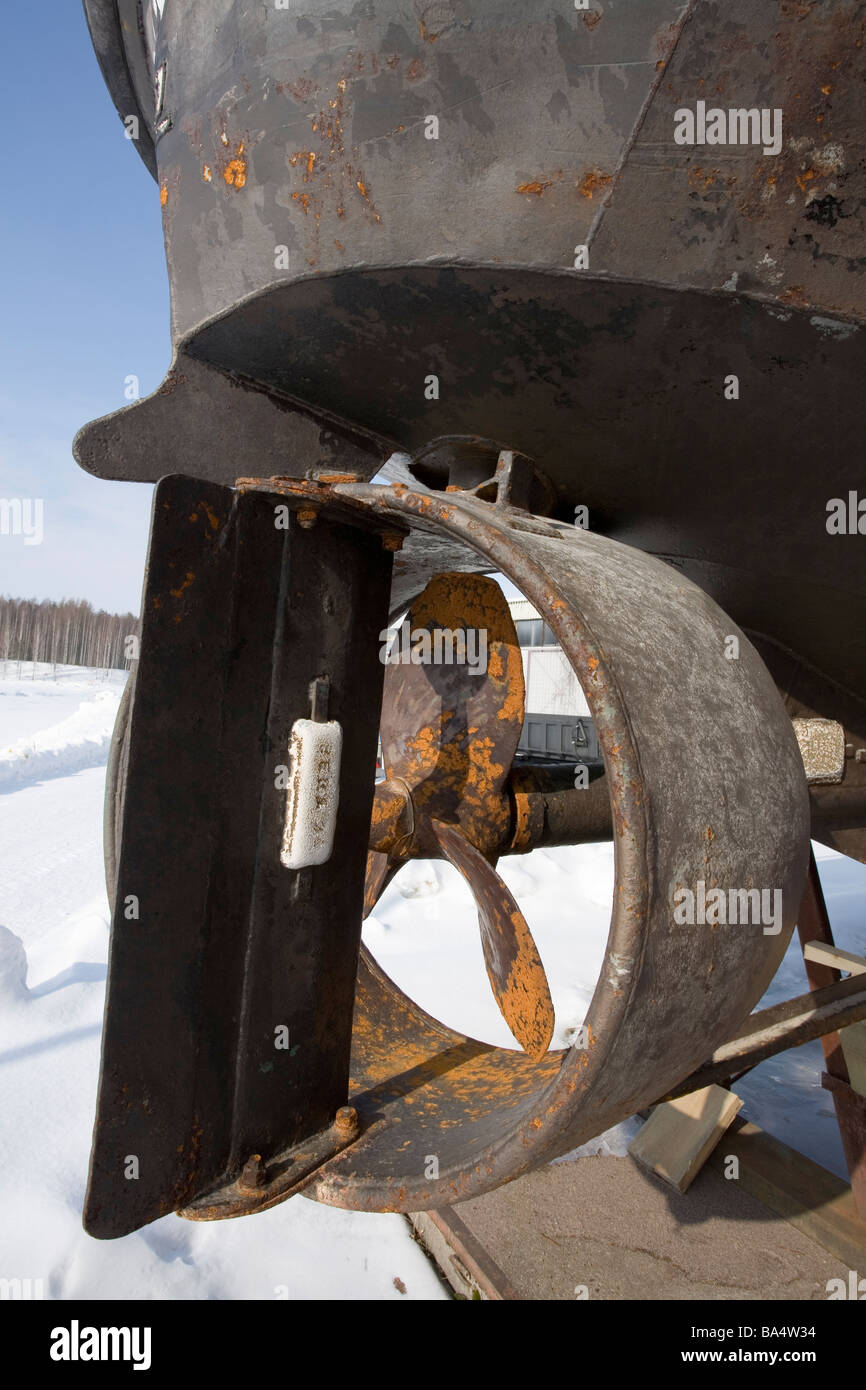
[[69, 633]]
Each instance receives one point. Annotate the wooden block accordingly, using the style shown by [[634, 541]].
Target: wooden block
[[853, 1040], [680, 1134], [834, 956]]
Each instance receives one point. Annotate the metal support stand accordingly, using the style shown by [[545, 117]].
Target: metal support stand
[[814, 925], [831, 1005]]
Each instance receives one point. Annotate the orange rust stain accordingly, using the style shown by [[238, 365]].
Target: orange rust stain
[[163, 194], [211, 516], [207, 173], [190, 579], [827, 90], [535, 187], [592, 18], [592, 663], [803, 179], [795, 294], [515, 694], [593, 180], [339, 245], [327, 168], [235, 172], [704, 177], [307, 157], [415, 70]]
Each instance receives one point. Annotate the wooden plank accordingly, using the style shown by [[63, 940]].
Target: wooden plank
[[814, 1200], [785, 1025], [835, 957], [853, 1041], [463, 1260], [680, 1134]]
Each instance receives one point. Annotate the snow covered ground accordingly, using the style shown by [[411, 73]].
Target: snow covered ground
[[54, 734]]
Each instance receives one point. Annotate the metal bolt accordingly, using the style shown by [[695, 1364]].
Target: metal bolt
[[307, 518], [346, 1122], [860, 755], [253, 1175]]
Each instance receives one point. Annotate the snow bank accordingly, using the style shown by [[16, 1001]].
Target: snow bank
[[13, 968], [79, 741]]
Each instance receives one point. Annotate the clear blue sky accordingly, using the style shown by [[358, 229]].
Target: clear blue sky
[[84, 304]]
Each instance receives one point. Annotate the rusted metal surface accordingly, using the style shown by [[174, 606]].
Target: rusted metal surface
[[788, 226], [284, 145], [449, 734], [666, 994], [207, 420], [703, 261], [545, 809], [549, 810], [488, 1113], [783, 307], [514, 966], [261, 1186], [450, 727], [380, 870], [231, 978], [818, 1014], [393, 820], [326, 113]]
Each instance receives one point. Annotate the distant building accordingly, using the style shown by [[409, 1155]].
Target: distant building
[[557, 725]]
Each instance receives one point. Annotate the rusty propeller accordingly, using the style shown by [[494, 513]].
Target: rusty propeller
[[452, 715]]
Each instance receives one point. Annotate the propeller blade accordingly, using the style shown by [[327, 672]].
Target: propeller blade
[[380, 870], [514, 966], [452, 717]]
